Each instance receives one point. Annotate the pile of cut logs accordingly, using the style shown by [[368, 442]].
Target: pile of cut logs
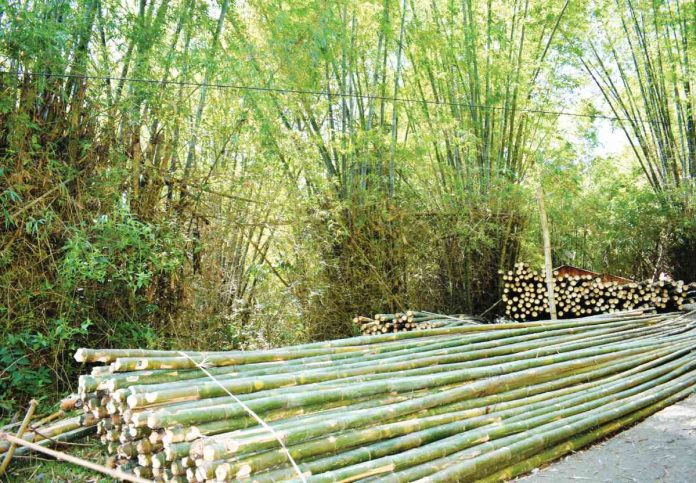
[[525, 295], [411, 320]]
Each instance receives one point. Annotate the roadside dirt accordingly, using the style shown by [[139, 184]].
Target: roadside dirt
[[660, 449]]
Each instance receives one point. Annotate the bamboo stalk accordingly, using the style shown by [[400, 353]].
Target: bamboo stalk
[[23, 427], [533, 416], [72, 459]]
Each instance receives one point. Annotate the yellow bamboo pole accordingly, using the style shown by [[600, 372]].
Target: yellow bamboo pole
[[119, 475], [20, 433], [548, 264]]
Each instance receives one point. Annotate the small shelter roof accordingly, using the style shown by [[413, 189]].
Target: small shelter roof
[[572, 271]]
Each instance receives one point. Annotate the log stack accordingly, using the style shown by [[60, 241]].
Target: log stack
[[410, 320], [578, 295], [471, 402]]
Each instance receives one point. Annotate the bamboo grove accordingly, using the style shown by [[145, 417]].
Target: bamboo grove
[[652, 90], [178, 173]]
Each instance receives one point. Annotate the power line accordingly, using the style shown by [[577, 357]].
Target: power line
[[328, 94]]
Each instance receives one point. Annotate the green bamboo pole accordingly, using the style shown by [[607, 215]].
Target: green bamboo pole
[[539, 391], [58, 427], [140, 419], [447, 351], [329, 463], [212, 389], [329, 395], [285, 419], [109, 355], [134, 379], [411, 347], [177, 450], [587, 378], [20, 433], [359, 345], [577, 442], [129, 364], [66, 437], [459, 434], [154, 394], [469, 390], [487, 457], [449, 348], [520, 450], [163, 418], [486, 405], [516, 410]]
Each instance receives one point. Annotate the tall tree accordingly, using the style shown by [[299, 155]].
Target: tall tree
[[642, 64]]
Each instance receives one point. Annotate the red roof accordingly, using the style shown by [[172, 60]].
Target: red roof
[[572, 271]]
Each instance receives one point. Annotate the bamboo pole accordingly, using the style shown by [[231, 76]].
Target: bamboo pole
[[536, 415], [72, 459], [25, 423], [548, 264], [576, 443], [503, 452], [411, 402]]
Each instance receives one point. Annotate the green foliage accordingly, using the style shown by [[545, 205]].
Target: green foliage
[[19, 375], [106, 292], [118, 253], [623, 221], [118, 258], [682, 219]]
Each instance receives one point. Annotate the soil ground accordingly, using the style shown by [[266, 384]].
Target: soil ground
[[662, 448]]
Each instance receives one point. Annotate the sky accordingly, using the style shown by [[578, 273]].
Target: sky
[[612, 141]]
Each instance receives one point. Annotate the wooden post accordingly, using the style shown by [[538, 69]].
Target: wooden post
[[548, 264]]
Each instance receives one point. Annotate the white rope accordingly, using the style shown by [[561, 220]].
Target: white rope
[[467, 321], [253, 415]]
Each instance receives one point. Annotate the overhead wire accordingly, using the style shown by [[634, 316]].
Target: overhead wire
[[328, 94]]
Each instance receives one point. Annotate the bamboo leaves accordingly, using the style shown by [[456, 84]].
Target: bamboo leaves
[[642, 67]]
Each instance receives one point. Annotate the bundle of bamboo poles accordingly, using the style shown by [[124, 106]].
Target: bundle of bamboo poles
[[462, 403], [525, 295], [52, 430], [410, 320]]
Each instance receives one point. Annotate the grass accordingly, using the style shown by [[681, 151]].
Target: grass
[[36, 468]]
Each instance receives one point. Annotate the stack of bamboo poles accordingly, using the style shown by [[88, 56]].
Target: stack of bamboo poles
[[52, 430], [524, 294], [456, 403], [411, 320]]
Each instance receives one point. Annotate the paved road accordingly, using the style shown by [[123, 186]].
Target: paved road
[[660, 449]]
